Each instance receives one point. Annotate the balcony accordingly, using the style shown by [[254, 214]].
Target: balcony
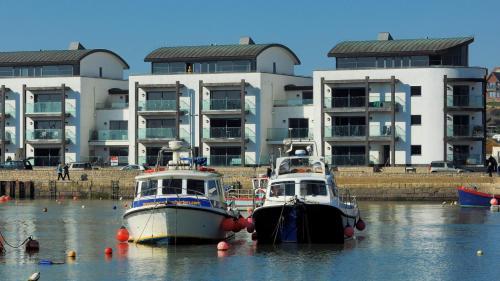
[[109, 135], [464, 131], [112, 105], [157, 105], [40, 135], [222, 104], [292, 102], [224, 160], [222, 133], [10, 110], [346, 160], [279, 134], [461, 101], [9, 137], [49, 108], [157, 133], [346, 132], [464, 159], [345, 104]]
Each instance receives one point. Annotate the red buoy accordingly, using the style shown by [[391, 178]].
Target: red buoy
[[360, 225], [3, 199], [32, 245], [8, 198], [494, 201], [122, 234], [227, 224], [242, 222], [223, 246], [348, 231], [250, 225], [108, 251]]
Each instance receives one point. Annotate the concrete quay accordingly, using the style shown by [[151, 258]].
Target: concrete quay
[[390, 184]]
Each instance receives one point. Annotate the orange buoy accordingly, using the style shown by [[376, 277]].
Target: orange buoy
[[348, 231], [360, 225], [108, 251], [227, 224], [494, 201], [122, 234], [71, 254], [223, 246]]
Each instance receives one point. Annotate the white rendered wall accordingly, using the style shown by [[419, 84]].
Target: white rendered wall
[[429, 105], [283, 59], [112, 67]]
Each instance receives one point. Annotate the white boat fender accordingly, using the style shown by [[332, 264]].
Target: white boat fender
[[34, 277]]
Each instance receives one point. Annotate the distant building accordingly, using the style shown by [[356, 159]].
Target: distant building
[[493, 88], [48, 101], [401, 102], [235, 104]]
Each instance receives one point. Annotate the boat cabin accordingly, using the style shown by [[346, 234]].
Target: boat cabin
[[298, 164], [177, 186]]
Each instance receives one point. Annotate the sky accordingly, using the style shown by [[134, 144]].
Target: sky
[[310, 28]]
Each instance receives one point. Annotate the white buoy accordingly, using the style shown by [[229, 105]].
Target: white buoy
[[444, 203], [479, 252], [455, 203], [83, 206], [34, 277]]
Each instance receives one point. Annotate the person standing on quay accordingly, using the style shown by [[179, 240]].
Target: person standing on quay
[[66, 172], [59, 170]]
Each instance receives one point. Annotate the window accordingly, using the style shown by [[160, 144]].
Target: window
[[307, 97], [285, 188], [416, 119], [415, 91], [416, 150], [100, 71], [312, 188], [274, 67], [171, 186], [196, 187], [149, 188]]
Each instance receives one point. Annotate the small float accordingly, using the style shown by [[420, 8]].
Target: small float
[[470, 197]]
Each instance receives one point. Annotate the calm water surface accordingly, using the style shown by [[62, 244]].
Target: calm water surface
[[403, 241]]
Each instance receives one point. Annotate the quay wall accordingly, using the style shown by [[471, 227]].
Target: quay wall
[[391, 184]]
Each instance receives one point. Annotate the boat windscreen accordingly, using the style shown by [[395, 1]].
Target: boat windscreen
[[300, 165], [284, 188], [196, 187], [172, 186], [312, 188]]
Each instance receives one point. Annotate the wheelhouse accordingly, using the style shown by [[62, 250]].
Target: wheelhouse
[[301, 188]]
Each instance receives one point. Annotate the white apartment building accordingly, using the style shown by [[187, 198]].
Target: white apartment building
[[401, 102], [48, 101], [235, 104]]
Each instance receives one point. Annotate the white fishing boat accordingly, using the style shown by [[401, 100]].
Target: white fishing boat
[[303, 204], [178, 205]]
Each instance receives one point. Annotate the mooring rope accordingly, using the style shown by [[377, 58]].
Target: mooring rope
[[12, 246]]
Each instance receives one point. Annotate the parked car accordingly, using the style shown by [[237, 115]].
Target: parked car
[[80, 166], [132, 167], [496, 137], [17, 165], [444, 167]]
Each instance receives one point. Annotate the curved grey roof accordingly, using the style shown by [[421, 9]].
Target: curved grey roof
[[51, 57], [212, 52], [397, 47]]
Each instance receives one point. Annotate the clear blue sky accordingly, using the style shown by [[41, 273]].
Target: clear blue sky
[[309, 28]]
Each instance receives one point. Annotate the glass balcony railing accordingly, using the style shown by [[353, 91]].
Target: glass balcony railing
[[222, 132], [380, 131], [222, 104], [464, 101], [459, 131], [157, 105], [464, 159], [345, 131], [10, 110], [157, 133], [107, 135], [44, 134], [346, 160], [224, 160], [45, 161], [9, 136], [337, 102], [111, 105], [292, 102], [44, 107], [279, 134]]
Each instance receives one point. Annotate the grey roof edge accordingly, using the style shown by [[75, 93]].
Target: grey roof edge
[[78, 59], [148, 57], [331, 53]]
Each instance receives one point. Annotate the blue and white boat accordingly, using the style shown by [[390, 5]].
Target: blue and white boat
[[178, 206], [303, 204]]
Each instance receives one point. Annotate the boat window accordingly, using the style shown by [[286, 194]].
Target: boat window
[[284, 188], [137, 188], [212, 189], [312, 188], [149, 188], [171, 186], [196, 187]]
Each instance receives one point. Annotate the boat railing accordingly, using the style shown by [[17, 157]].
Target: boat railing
[[346, 198], [194, 193]]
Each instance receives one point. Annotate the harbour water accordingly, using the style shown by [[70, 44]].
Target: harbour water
[[403, 241]]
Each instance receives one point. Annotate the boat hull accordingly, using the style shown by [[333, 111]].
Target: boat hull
[[301, 223], [172, 224], [473, 198]]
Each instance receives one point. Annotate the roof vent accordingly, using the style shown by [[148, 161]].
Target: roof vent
[[76, 46], [246, 40], [384, 36]]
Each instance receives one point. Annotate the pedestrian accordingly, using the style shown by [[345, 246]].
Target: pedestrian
[[59, 170], [66, 172], [494, 163]]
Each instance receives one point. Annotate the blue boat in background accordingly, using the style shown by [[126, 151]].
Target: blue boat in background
[[469, 197]]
